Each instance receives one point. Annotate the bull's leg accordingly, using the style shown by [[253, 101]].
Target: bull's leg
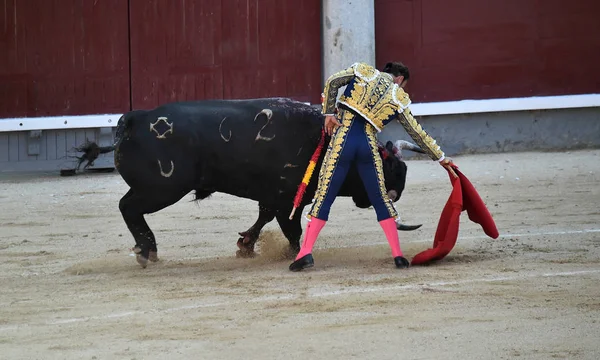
[[292, 229], [249, 237], [133, 207]]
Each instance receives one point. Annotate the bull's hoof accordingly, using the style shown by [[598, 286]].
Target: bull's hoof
[[401, 262], [139, 256], [304, 262], [141, 260], [153, 256], [246, 247]]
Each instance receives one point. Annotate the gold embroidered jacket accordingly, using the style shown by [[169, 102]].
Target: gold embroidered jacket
[[374, 96]]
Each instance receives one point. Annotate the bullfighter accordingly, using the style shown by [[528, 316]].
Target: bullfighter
[[371, 100]]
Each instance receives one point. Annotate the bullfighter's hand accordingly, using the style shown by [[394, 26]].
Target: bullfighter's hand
[[447, 163], [330, 124]]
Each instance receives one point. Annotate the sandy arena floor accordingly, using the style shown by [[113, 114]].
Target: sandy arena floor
[[70, 288]]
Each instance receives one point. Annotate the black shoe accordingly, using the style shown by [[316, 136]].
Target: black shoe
[[401, 263], [304, 262]]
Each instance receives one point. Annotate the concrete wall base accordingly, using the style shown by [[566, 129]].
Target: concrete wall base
[[51, 150], [540, 130]]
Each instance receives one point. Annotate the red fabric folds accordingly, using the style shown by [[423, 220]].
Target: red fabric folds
[[463, 197]]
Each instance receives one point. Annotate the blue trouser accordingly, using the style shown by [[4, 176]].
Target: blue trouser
[[353, 142]]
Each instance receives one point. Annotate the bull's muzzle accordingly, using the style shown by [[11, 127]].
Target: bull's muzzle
[[393, 195]]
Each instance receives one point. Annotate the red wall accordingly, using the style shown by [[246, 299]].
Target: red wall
[[224, 49], [63, 57], [473, 49]]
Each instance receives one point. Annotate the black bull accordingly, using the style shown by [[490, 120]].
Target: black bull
[[255, 149]]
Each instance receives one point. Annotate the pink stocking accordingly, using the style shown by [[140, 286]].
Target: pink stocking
[[312, 232], [391, 233]]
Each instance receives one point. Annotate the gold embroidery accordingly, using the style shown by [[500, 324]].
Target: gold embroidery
[[401, 98], [373, 96], [332, 85], [377, 162], [419, 135], [364, 71], [330, 161]]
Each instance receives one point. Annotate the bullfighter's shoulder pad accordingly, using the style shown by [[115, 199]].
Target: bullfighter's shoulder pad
[[365, 71], [401, 97]]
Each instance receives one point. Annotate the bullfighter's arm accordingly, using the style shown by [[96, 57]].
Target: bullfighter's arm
[[332, 85], [414, 129]]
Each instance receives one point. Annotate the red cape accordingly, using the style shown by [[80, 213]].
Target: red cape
[[463, 197]]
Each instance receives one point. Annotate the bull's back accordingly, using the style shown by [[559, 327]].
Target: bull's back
[[241, 147], [258, 149]]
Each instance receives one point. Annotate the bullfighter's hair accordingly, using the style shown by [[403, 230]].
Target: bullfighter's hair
[[397, 69]]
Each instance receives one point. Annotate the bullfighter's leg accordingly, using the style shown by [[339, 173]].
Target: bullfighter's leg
[[249, 237], [370, 169], [336, 164], [133, 207]]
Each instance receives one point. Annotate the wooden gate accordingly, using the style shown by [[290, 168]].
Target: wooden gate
[[213, 49], [73, 57], [476, 49], [63, 57]]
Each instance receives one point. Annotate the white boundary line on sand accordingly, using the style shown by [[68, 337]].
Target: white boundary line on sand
[[358, 290], [341, 292], [463, 238], [478, 237], [504, 236]]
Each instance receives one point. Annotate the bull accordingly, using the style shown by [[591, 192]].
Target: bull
[[255, 149]]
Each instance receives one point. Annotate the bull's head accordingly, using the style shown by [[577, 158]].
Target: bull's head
[[394, 170]]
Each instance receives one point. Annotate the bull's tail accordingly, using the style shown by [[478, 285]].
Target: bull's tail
[[91, 150]]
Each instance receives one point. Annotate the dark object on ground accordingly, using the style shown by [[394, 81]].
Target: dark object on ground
[[67, 172]]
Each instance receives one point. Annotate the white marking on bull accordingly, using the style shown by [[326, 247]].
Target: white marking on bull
[[167, 175], [158, 134], [269, 114], [221, 133]]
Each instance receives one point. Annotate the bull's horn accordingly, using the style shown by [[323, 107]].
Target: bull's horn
[[403, 144], [403, 227]]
